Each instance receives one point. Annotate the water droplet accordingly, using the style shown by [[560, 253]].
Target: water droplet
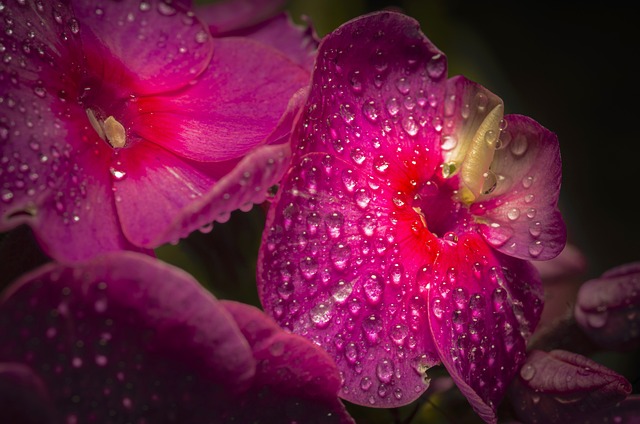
[[368, 224], [490, 182], [39, 91], [166, 9], [348, 180], [436, 66], [597, 319], [342, 291], [308, 267], [362, 197], [535, 248], [449, 142], [340, 255], [370, 111], [372, 327], [499, 298], [395, 273], [527, 182], [397, 393], [358, 156], [355, 80], [410, 126], [6, 195], [519, 145], [74, 26], [393, 107], [373, 289], [345, 112], [398, 333], [117, 174], [384, 370], [460, 296], [527, 372], [334, 222], [535, 229], [403, 85], [513, 214], [321, 314], [365, 383], [380, 164], [437, 308], [351, 352]]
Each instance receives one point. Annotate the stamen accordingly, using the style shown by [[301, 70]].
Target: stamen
[[95, 124], [115, 132]]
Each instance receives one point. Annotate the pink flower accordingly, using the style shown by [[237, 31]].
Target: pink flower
[[125, 338], [400, 238], [125, 125]]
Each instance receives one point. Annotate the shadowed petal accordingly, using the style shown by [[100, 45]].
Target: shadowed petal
[[521, 215], [328, 271], [129, 330], [233, 107], [230, 15], [295, 380], [23, 397], [482, 308], [561, 386], [608, 308]]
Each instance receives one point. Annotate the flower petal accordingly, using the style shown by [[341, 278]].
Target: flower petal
[[231, 15], [374, 94], [233, 107], [482, 308], [521, 216], [23, 397], [327, 270], [626, 412], [129, 330], [162, 43], [608, 308], [472, 118], [561, 386], [295, 380], [298, 42]]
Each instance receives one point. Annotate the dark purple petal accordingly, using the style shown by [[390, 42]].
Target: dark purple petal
[[23, 397], [521, 216], [234, 106], [483, 307], [295, 380], [230, 15], [608, 308], [162, 43], [328, 271], [128, 330], [561, 386]]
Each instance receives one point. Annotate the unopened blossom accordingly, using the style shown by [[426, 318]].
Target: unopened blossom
[[400, 238], [608, 308], [124, 338], [564, 387], [126, 125]]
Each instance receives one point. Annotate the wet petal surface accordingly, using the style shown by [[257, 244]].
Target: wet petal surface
[[129, 330]]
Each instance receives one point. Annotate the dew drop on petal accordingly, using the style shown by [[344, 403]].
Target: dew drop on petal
[[342, 291], [535, 248], [436, 66], [597, 319], [384, 370], [321, 314], [527, 372], [519, 145], [513, 214], [366, 383]]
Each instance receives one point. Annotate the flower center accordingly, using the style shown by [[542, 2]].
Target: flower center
[[109, 130]]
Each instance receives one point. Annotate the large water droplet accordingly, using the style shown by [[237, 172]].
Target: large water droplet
[[519, 145], [436, 66], [384, 370], [342, 291], [373, 289], [321, 314], [527, 372]]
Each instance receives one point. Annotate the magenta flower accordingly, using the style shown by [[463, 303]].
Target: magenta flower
[[400, 237], [125, 125], [126, 338], [565, 387], [608, 308]]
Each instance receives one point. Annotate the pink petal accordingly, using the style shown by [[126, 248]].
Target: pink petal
[[230, 15], [234, 106], [23, 397], [482, 308], [521, 214], [328, 270], [562, 386], [295, 380], [608, 308], [162, 43], [129, 330], [375, 91]]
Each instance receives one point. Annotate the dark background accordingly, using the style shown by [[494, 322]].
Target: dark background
[[569, 65]]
